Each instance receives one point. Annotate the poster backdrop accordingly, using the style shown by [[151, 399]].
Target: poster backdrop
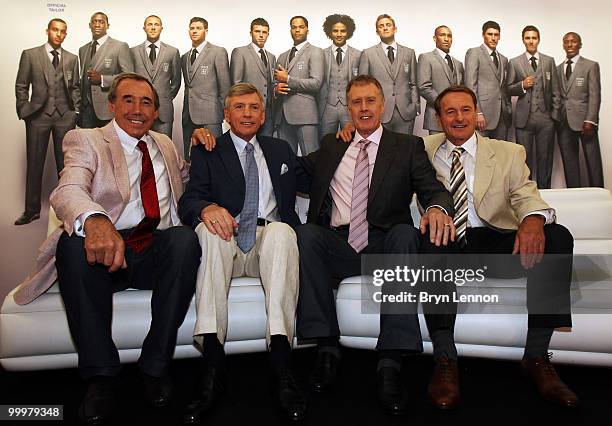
[[25, 21]]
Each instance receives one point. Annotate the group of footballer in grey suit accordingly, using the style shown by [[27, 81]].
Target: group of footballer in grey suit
[[304, 89]]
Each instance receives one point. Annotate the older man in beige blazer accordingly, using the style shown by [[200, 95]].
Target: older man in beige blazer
[[117, 199], [498, 210]]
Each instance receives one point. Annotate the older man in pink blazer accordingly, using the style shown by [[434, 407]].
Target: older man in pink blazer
[[117, 199]]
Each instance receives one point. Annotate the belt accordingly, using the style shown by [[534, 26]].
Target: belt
[[263, 222], [340, 228]]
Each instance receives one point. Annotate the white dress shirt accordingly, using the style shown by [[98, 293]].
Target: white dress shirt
[[443, 161], [384, 47], [49, 49], [148, 48], [134, 211], [267, 208]]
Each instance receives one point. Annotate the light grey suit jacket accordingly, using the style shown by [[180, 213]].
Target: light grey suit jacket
[[433, 76], [110, 60], [34, 72], [305, 79], [95, 178], [207, 82], [353, 56], [165, 74], [399, 81], [518, 69], [246, 66], [581, 95], [489, 84]]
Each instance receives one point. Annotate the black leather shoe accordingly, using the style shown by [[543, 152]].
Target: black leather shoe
[[157, 390], [99, 401], [324, 372], [27, 217], [289, 396], [211, 388], [391, 393]]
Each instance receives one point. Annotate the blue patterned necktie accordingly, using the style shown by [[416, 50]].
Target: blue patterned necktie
[[248, 216]]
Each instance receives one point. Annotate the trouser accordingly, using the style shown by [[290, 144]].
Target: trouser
[[398, 125], [499, 133], [568, 141], [165, 128], [88, 118], [306, 136], [538, 137], [334, 118], [168, 267], [188, 128]]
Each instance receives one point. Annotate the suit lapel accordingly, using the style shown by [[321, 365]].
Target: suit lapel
[[329, 54], [229, 156], [487, 57], [44, 62], [274, 168], [145, 58], [399, 59], [483, 173], [577, 68], [198, 60], [171, 162], [98, 58], [119, 163], [384, 60], [257, 60], [298, 56], [444, 65], [384, 157]]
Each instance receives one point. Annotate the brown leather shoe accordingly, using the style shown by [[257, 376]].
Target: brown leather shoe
[[548, 382], [443, 389]]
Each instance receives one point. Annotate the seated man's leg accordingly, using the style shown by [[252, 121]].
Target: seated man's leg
[[176, 256]]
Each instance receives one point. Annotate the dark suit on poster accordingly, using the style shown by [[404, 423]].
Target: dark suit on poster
[[401, 169], [246, 66], [165, 74], [580, 102], [51, 108], [111, 59]]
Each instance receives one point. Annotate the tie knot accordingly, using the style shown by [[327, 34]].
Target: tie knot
[[390, 48], [363, 144], [458, 151], [54, 53], [493, 53], [261, 51], [94, 43], [249, 147], [294, 49], [447, 57], [142, 146], [152, 46], [533, 59], [339, 50], [569, 61]]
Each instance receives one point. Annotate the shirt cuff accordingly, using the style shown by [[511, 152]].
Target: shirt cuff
[[437, 206], [592, 122], [548, 214], [79, 223]]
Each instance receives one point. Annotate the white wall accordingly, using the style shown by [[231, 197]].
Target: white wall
[[24, 24]]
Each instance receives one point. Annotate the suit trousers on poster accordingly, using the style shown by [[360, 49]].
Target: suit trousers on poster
[[168, 267], [398, 125]]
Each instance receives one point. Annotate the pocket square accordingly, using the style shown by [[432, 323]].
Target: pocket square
[[284, 169]]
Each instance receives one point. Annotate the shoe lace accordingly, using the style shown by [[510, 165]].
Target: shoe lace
[[548, 368]]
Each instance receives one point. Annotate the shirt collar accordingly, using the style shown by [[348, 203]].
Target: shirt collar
[[240, 143], [374, 137], [529, 55], [442, 53], [128, 143], [200, 47], [574, 59], [101, 40], [299, 46], [470, 147], [489, 49], [344, 48], [157, 43], [256, 48], [49, 49], [385, 45]]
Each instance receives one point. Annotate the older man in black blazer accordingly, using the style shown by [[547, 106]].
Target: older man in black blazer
[[344, 223], [241, 201]]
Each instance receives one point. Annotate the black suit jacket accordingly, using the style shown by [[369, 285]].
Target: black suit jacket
[[217, 177], [401, 169]]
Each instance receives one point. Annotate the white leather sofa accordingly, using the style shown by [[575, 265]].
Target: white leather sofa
[[36, 336]]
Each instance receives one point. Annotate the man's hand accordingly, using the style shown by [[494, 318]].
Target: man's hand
[[218, 221], [529, 82], [203, 137], [588, 129], [94, 77], [103, 244], [346, 133], [441, 226], [282, 89], [529, 241], [481, 122], [280, 74]]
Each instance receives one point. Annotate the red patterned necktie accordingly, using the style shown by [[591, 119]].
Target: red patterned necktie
[[142, 236], [358, 227]]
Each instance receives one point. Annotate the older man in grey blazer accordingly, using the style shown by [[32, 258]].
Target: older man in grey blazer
[[580, 102], [395, 67], [532, 76], [207, 81], [254, 64], [485, 75], [299, 76], [341, 65], [52, 73], [101, 60], [436, 71], [161, 64]]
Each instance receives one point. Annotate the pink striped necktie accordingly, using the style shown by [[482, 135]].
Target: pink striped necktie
[[358, 228]]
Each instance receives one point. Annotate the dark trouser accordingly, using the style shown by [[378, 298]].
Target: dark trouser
[[568, 141], [325, 253], [88, 118], [168, 267], [548, 282], [499, 133], [38, 129], [188, 128], [306, 136]]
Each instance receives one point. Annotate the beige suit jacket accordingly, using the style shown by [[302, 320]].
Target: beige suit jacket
[[503, 192], [95, 177]]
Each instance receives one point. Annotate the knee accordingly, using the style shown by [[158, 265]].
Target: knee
[[308, 236], [281, 233], [402, 238], [558, 239], [70, 248], [184, 240]]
